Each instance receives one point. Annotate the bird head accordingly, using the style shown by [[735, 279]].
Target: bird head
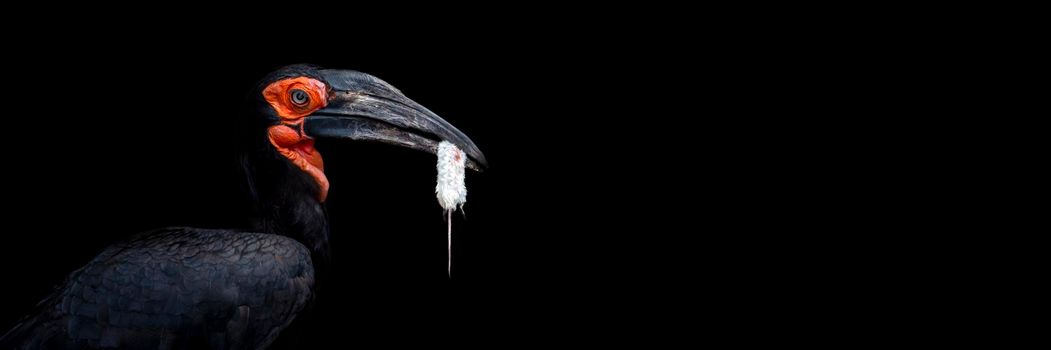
[[302, 103]]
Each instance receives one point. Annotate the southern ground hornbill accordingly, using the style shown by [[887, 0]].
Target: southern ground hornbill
[[226, 289]]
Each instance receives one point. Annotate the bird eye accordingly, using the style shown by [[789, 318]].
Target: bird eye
[[300, 97]]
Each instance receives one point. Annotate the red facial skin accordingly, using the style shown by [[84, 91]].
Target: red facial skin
[[288, 137]]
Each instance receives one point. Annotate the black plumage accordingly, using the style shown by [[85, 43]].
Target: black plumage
[[176, 288]]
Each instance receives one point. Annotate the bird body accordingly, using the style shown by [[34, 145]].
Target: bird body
[[177, 288]]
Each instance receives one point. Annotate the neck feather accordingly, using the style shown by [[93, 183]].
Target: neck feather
[[286, 201]]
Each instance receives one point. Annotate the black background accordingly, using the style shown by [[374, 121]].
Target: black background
[[647, 174], [107, 135]]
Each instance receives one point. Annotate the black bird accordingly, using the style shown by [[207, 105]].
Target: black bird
[[198, 288]]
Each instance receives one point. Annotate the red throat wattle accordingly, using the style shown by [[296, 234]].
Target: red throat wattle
[[299, 149], [288, 137]]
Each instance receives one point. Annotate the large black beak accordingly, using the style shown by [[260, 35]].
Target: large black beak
[[363, 107]]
